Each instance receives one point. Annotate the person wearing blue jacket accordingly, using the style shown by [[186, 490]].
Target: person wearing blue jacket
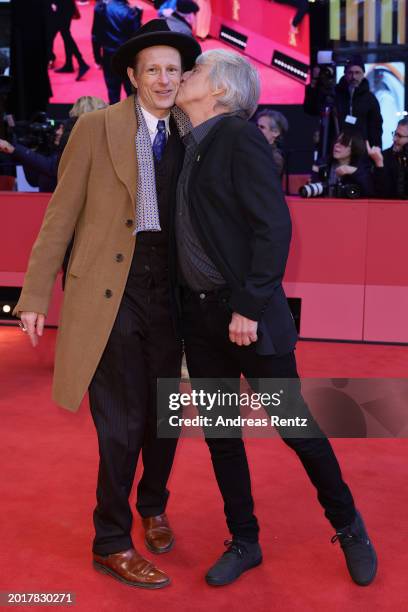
[[115, 21]]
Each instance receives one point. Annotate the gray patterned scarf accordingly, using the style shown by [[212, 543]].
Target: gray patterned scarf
[[147, 210]]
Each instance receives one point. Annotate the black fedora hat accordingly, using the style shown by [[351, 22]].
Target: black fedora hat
[[156, 32]]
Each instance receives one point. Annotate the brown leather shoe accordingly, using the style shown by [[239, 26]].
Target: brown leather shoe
[[132, 569], [159, 537]]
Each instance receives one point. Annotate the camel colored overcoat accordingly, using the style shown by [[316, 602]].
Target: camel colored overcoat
[[95, 197]]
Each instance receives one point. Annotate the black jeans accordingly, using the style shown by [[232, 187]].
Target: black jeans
[[210, 354], [141, 348], [71, 48]]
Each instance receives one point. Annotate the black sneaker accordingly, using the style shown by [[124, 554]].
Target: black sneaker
[[360, 555], [239, 557]]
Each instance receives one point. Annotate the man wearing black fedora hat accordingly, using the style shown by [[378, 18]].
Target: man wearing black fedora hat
[[117, 191]]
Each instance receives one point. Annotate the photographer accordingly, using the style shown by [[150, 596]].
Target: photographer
[[348, 174], [391, 166], [40, 160], [40, 169], [353, 101]]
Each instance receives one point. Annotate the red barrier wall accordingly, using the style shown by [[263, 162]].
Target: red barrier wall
[[348, 263]]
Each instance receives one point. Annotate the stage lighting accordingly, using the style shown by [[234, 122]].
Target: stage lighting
[[8, 299]]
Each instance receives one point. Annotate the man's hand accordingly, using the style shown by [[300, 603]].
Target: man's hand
[[242, 331], [345, 169], [375, 154], [6, 147], [34, 324]]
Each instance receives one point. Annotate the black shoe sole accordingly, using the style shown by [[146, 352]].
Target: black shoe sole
[[215, 583], [157, 551], [106, 570]]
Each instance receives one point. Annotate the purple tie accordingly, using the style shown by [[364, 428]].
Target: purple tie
[[159, 142]]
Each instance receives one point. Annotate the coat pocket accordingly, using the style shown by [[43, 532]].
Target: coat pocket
[[81, 252]]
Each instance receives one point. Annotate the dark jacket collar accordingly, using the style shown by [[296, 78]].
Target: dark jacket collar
[[343, 87]]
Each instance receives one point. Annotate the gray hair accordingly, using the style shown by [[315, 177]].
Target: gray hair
[[237, 76], [275, 119]]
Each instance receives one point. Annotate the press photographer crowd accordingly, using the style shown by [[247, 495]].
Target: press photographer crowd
[[348, 161]]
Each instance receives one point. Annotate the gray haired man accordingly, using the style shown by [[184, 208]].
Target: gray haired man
[[233, 232]]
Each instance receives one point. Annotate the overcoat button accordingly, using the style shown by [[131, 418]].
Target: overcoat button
[[108, 293], [202, 296], [129, 223], [119, 257]]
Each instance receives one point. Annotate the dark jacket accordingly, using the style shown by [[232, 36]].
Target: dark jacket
[[242, 219], [40, 170], [113, 24], [389, 181], [364, 107], [362, 177]]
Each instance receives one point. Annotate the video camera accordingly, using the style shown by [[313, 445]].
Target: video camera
[[326, 81], [37, 134]]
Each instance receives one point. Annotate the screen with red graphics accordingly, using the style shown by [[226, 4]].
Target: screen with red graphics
[[267, 19]]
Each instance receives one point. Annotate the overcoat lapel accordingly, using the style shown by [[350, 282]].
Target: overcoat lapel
[[121, 127]]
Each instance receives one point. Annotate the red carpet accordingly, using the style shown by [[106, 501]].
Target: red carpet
[[48, 464], [276, 87]]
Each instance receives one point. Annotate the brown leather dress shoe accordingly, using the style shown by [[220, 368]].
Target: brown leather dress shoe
[[159, 537], [132, 569]]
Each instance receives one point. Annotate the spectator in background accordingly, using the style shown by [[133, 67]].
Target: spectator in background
[[182, 19], [274, 126], [203, 19], [355, 104], [349, 165], [165, 7], [86, 104], [115, 21], [391, 166], [40, 169], [65, 12]]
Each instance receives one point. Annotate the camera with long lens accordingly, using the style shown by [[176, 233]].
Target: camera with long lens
[[37, 134], [314, 190]]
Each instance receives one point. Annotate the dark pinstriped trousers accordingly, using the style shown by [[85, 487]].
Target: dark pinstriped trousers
[[142, 347]]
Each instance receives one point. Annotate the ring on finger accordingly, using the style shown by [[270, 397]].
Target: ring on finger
[[22, 326]]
